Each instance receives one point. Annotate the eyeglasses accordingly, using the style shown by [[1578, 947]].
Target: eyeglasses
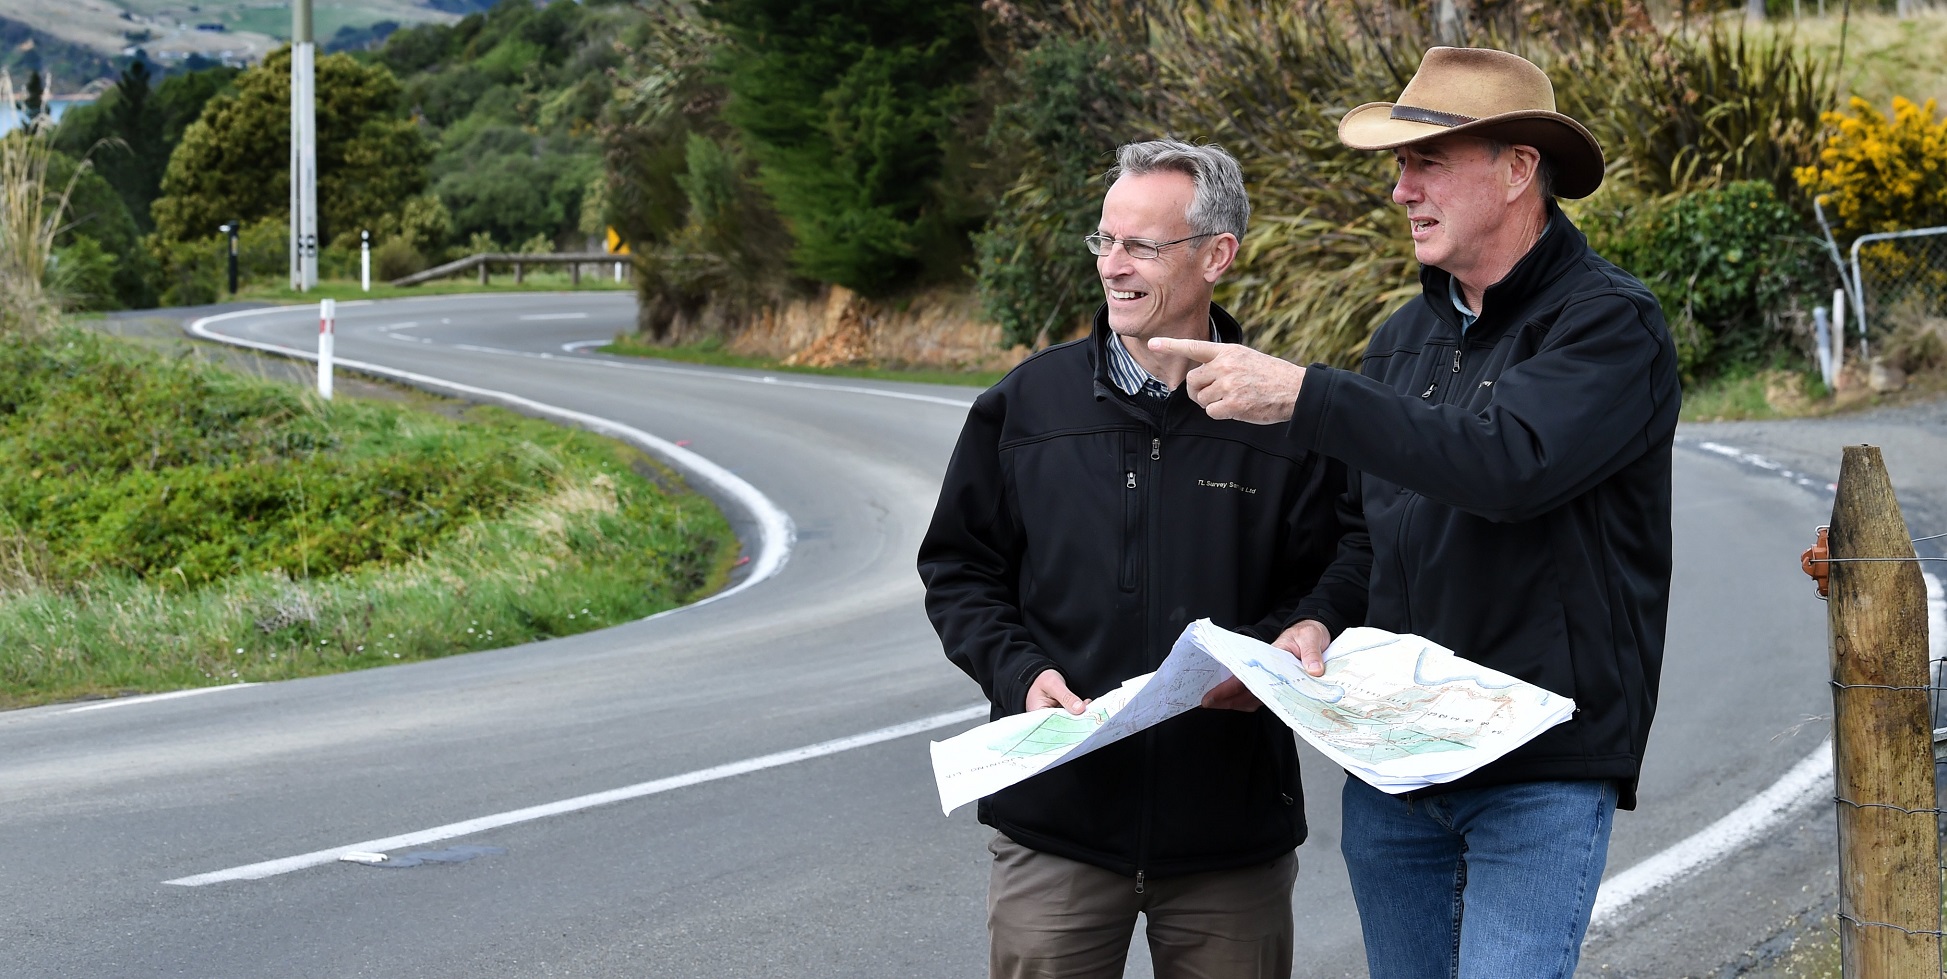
[[1135, 247]]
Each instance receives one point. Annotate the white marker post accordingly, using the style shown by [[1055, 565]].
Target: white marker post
[[1838, 339], [327, 330], [365, 260]]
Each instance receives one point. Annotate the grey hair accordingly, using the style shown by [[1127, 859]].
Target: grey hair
[[1544, 167], [1220, 204]]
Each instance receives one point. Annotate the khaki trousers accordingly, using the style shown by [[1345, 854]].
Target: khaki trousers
[[1051, 917]]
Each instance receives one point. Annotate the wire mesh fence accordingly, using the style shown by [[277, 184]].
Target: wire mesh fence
[[1902, 281]]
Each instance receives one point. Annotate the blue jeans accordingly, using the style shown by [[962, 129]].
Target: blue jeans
[[1522, 861]]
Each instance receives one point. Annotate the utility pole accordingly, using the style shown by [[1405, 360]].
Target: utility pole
[[304, 149]]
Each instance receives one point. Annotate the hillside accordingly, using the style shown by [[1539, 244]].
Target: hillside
[[73, 39]]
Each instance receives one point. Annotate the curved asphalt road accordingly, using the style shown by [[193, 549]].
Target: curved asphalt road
[[839, 865]]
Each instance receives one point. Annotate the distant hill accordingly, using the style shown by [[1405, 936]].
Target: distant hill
[[24, 49], [78, 41]]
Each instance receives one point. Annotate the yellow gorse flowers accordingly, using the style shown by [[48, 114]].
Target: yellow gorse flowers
[[1881, 174]]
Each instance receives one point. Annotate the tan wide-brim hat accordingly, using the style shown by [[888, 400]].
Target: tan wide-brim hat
[[1487, 93]]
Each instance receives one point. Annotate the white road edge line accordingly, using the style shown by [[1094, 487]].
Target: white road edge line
[[776, 534], [153, 697], [271, 868], [1808, 780], [1688, 856]]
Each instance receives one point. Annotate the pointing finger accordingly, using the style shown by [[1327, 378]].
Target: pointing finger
[[1201, 351]]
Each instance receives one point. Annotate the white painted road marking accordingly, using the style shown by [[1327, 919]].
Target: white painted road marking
[[1809, 780], [153, 697], [774, 529], [1753, 459], [1757, 815], [554, 316], [271, 868]]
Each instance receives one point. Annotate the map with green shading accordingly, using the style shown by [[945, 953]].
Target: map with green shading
[[1055, 733]]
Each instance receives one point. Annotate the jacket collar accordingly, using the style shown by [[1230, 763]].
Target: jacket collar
[[1098, 356], [1558, 251]]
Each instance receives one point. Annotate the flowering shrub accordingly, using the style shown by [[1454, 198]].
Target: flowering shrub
[[1879, 174]]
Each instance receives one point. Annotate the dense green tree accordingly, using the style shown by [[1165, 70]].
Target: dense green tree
[[1066, 104], [513, 185], [136, 172], [130, 131], [122, 136], [233, 162], [36, 98], [848, 105], [514, 93], [666, 95], [181, 98], [97, 212]]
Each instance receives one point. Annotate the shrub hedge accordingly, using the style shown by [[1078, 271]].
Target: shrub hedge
[[165, 524]]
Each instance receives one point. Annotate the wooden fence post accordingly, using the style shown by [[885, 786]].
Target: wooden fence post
[[1882, 739]]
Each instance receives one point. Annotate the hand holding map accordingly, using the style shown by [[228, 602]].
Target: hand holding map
[[1398, 711]]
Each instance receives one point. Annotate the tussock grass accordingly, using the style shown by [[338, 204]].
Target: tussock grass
[[570, 532], [33, 212]]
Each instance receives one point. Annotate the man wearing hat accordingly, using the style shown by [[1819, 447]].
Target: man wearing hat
[[1509, 433]]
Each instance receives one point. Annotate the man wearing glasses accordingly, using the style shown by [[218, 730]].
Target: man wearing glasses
[[1091, 510]]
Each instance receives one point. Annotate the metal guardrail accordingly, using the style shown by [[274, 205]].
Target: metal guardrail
[[482, 261]]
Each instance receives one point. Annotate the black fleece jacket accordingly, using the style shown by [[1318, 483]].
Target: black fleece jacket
[[1515, 489], [1079, 529]]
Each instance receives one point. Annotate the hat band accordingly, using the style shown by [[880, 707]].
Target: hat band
[[1413, 113]]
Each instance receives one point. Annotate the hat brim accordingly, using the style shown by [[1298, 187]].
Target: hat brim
[[1572, 149]]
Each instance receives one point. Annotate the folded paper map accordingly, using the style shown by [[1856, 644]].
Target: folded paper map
[[1398, 711]]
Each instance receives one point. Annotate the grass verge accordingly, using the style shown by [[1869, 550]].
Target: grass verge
[[554, 532], [1774, 394], [348, 289], [711, 352]]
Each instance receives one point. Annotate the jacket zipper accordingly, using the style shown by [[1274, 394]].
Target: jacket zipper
[[1406, 516], [1149, 634], [1131, 521]]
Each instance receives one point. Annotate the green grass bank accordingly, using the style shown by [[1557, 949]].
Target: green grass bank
[[168, 524]]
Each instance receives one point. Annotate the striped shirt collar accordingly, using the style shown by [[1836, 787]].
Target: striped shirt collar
[[1128, 375]]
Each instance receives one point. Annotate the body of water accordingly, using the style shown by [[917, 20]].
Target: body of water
[[10, 118]]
